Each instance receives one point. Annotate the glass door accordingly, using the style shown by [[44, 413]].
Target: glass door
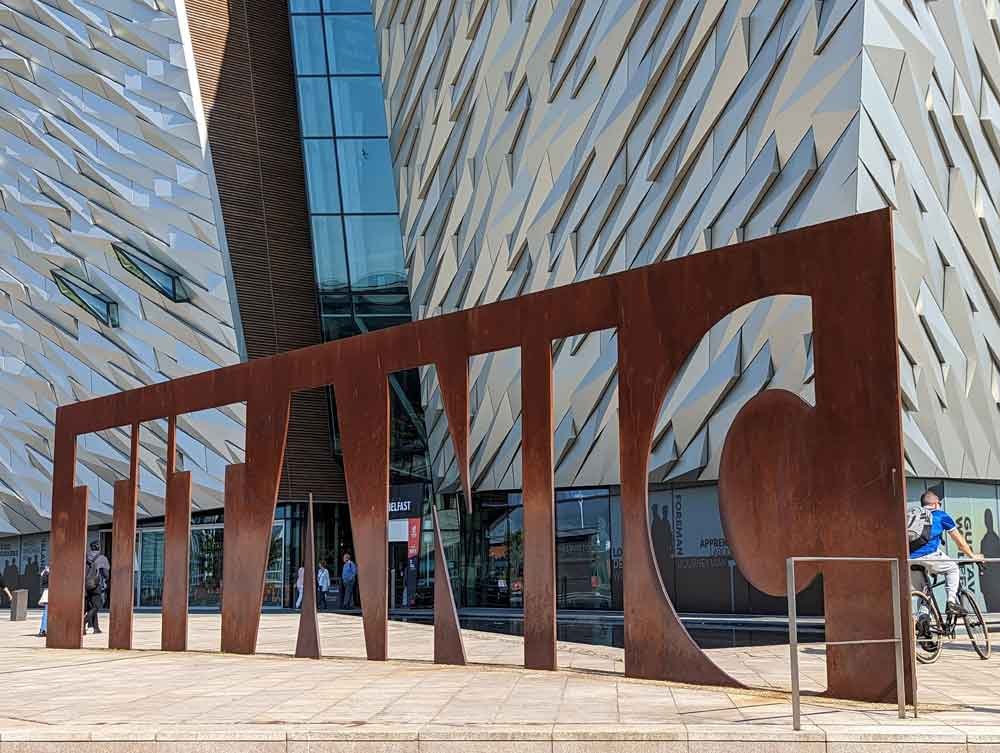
[[205, 584], [274, 576], [150, 580]]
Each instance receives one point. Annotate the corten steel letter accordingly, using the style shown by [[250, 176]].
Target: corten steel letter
[[787, 466], [845, 451], [657, 646], [123, 551], [307, 646], [362, 394], [69, 544], [448, 645], [539, 505], [176, 549], [250, 511]]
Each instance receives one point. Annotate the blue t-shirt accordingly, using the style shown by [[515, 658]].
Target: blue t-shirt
[[351, 570], [940, 523]]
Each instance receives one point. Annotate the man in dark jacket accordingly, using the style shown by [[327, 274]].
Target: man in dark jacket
[[96, 584]]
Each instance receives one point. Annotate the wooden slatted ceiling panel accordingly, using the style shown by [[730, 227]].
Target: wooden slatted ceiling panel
[[247, 88]]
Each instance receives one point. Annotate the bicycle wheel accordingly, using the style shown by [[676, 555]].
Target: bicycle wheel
[[927, 647], [975, 625]]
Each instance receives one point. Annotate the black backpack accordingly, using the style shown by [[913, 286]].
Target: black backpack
[[94, 578]]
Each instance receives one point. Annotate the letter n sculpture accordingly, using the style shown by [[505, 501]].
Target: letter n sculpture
[[788, 468]]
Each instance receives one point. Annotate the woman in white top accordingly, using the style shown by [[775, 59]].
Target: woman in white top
[[300, 583], [322, 583]]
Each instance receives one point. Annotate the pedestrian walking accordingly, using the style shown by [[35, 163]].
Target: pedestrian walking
[[348, 575], [43, 602], [300, 584], [98, 576], [322, 584]]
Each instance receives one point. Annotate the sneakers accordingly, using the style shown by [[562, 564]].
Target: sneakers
[[924, 626], [955, 609]]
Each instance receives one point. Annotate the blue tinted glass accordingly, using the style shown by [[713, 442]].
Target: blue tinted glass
[[314, 107], [357, 106], [350, 44], [328, 243], [303, 6], [375, 251], [307, 41], [321, 175], [366, 175], [363, 6]]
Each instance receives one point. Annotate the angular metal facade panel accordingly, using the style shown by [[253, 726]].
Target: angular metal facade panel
[[537, 144], [104, 144], [542, 144], [930, 148]]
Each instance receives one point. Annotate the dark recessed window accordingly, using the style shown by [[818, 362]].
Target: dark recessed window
[[153, 274], [83, 295]]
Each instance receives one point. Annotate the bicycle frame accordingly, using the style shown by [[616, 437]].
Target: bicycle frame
[[949, 620]]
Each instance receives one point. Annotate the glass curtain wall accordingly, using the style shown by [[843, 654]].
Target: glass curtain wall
[[205, 570], [351, 191]]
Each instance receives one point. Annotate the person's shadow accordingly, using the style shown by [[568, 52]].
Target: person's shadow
[[989, 547], [662, 534]]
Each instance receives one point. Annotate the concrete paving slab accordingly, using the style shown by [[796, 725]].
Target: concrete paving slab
[[145, 701]]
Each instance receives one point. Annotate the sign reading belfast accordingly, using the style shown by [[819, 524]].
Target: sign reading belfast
[[788, 469]]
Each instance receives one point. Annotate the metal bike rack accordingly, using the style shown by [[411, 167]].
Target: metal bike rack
[[897, 629]]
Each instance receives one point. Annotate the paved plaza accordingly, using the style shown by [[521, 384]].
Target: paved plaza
[[98, 700]]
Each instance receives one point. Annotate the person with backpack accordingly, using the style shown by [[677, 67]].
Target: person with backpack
[[96, 583], [925, 528]]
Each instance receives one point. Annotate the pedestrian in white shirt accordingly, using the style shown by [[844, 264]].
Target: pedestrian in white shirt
[[300, 583], [322, 583]]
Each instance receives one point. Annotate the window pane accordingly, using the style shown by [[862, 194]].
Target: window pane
[[357, 106], [366, 175], [307, 41], [375, 251], [350, 42], [314, 107], [274, 576], [151, 568], [205, 584], [303, 6], [328, 242], [364, 6], [339, 327], [321, 175]]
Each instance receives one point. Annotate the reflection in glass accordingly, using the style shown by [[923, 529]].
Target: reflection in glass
[[337, 327], [333, 6], [307, 45], [366, 175], [150, 568], [375, 251], [357, 106], [274, 575], [321, 175], [583, 552], [350, 44], [205, 584], [328, 244], [314, 107], [304, 6]]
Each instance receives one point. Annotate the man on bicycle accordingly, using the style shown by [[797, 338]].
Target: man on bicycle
[[935, 562]]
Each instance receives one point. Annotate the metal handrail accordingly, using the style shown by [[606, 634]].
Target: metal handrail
[[897, 629]]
